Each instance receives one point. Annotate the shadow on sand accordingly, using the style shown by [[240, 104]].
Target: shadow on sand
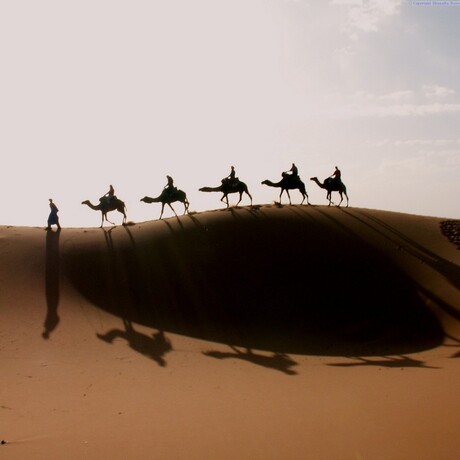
[[273, 281], [278, 361], [154, 347], [52, 281]]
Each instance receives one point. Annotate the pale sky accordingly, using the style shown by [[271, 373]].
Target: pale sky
[[125, 92]]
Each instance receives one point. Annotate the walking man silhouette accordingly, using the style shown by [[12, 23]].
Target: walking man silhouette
[[53, 218]]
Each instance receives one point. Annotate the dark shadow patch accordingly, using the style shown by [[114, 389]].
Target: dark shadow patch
[[277, 282], [52, 280]]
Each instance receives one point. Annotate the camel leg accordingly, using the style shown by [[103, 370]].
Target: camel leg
[[241, 196], [226, 199], [289, 196], [281, 194], [162, 209], [341, 199], [104, 216], [249, 195], [169, 204]]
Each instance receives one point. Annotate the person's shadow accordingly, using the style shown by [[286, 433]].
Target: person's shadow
[[154, 347], [277, 361], [51, 282]]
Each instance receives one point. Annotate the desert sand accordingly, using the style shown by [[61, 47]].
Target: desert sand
[[265, 332]]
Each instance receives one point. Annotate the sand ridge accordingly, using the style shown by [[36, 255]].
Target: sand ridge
[[253, 332]]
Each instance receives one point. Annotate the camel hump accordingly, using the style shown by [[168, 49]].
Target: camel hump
[[231, 183]]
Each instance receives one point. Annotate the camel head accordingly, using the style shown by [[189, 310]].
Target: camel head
[[85, 202], [264, 182], [144, 199]]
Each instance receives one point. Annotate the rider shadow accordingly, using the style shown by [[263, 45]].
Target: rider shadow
[[277, 361], [52, 280], [387, 361], [154, 347]]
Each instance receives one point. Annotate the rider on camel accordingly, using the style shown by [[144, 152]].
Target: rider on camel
[[230, 179], [336, 176], [109, 195], [170, 185], [293, 173]]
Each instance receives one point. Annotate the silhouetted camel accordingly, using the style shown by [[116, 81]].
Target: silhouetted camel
[[168, 197], [106, 206], [332, 185], [228, 187], [289, 183]]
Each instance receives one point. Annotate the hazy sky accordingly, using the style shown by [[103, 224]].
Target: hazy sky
[[124, 92]]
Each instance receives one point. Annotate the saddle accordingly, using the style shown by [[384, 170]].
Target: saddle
[[332, 182], [292, 179], [107, 199], [230, 183]]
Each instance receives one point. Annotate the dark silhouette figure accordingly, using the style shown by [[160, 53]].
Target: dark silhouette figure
[[293, 172], [289, 182], [231, 177], [53, 218], [168, 196], [229, 184], [110, 194], [170, 183], [332, 185], [337, 175], [278, 361], [51, 283], [106, 206], [154, 347]]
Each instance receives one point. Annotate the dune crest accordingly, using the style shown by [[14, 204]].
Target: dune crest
[[272, 325]]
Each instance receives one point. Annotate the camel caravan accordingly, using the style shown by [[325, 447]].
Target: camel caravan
[[290, 180]]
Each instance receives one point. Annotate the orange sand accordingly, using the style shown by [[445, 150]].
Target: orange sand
[[295, 332]]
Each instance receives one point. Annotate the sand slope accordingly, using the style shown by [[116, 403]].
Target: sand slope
[[267, 332]]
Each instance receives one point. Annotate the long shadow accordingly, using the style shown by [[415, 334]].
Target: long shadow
[[265, 282], [52, 280], [278, 361], [154, 347], [387, 361]]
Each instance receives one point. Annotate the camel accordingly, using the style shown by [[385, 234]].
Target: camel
[[228, 187], [168, 197], [289, 183], [332, 185], [106, 206]]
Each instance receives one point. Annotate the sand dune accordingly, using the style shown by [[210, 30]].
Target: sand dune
[[265, 332]]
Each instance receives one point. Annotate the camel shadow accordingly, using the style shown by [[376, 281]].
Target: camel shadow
[[52, 280], [277, 361], [387, 361], [154, 348]]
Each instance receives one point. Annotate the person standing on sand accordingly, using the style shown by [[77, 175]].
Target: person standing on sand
[[53, 218]]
